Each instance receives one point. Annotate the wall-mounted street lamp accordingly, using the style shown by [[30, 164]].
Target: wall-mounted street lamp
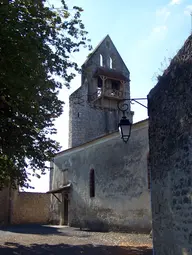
[[125, 124]]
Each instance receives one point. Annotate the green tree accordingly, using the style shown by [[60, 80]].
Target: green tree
[[36, 42]]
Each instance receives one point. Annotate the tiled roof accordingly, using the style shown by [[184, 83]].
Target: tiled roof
[[111, 73], [60, 189]]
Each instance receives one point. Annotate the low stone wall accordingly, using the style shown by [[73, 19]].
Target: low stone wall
[[29, 207], [4, 205]]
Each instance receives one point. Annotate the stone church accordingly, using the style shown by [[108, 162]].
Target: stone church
[[101, 183]]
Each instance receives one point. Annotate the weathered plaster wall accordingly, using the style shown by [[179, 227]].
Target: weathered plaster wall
[[29, 207], [170, 141], [122, 199], [4, 205]]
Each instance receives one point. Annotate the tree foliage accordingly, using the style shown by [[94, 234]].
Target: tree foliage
[[36, 42]]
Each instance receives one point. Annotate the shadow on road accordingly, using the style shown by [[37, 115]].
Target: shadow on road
[[15, 248], [37, 229]]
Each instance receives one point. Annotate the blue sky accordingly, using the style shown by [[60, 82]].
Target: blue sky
[[146, 34]]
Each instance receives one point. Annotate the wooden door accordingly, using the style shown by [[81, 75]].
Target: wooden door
[[66, 209]]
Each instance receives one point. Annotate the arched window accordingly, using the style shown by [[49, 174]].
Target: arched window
[[111, 63], [101, 60], [148, 172], [92, 183]]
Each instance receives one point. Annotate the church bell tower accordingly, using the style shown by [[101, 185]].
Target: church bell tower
[[93, 108]]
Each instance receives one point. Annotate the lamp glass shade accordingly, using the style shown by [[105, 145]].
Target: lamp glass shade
[[125, 129]]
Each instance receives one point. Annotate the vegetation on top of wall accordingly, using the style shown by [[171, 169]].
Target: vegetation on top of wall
[[173, 68], [163, 66]]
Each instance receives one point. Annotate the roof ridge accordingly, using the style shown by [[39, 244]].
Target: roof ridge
[[95, 49]]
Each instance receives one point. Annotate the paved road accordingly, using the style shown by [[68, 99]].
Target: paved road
[[51, 240]]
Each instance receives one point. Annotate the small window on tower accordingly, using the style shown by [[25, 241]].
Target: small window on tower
[[101, 60], [111, 63]]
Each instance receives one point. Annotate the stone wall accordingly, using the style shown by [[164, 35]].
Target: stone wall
[[4, 205], [29, 207], [170, 141], [122, 198], [86, 122]]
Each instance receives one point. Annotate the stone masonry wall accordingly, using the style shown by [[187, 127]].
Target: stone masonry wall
[[29, 207], [87, 123], [4, 205], [170, 142], [122, 198]]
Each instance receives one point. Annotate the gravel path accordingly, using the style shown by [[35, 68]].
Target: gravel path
[[52, 240]]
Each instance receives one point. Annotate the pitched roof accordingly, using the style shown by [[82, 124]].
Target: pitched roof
[[65, 188], [111, 73], [107, 37], [96, 48], [134, 126]]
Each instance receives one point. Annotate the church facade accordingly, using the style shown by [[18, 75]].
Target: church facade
[[101, 183]]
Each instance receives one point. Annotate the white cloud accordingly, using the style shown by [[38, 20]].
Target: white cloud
[[159, 29], [174, 2], [188, 10], [163, 14], [157, 34]]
